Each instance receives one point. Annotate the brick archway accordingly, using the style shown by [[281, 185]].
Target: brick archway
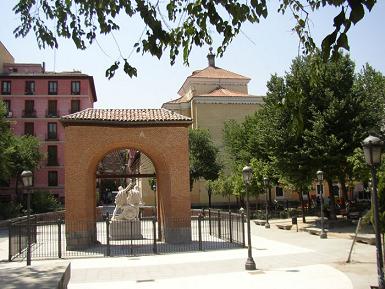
[[161, 134]]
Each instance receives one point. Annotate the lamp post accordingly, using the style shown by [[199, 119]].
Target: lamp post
[[247, 174], [372, 150], [320, 177], [266, 183], [26, 176]]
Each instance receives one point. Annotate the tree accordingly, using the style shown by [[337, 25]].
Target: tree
[[177, 25], [323, 115], [25, 156], [5, 145], [203, 157]]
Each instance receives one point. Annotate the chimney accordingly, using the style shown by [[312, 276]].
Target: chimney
[[211, 57], [43, 67]]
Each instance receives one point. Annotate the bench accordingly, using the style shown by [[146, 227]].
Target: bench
[[314, 231], [260, 222], [365, 238], [284, 227]]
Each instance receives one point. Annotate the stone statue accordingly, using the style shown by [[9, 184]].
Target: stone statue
[[127, 203]]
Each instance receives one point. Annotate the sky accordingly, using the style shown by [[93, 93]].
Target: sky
[[258, 52]]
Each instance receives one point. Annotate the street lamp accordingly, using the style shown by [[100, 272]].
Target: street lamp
[[320, 177], [247, 174], [266, 183], [372, 150], [26, 176]]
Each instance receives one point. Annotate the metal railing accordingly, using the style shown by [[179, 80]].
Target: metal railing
[[55, 239]]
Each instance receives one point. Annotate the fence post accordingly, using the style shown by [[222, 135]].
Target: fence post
[[243, 229], [59, 238], [154, 248], [230, 227], [108, 234], [210, 221], [9, 242], [200, 231], [219, 224], [131, 251]]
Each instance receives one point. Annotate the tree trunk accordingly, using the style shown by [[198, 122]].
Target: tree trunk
[[209, 193], [302, 207], [332, 203], [344, 188]]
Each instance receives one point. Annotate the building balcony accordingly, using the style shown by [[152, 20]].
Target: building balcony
[[8, 114], [71, 111], [52, 163], [52, 114], [29, 113], [51, 137]]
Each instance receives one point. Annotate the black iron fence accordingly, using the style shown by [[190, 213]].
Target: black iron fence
[[55, 239]]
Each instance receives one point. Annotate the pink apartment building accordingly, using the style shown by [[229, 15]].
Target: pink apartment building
[[35, 100]]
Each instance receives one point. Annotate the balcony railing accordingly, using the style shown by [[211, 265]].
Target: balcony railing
[[52, 163], [29, 113], [51, 137], [71, 111], [53, 114], [9, 114]]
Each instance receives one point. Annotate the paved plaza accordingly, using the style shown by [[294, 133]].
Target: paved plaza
[[284, 259]]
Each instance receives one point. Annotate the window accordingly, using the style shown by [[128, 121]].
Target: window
[[52, 131], [75, 105], [278, 191], [29, 108], [52, 179], [52, 108], [52, 87], [75, 87], [30, 87], [5, 87], [52, 156], [29, 128], [7, 104], [319, 190]]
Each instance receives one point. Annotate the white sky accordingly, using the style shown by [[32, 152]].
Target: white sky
[[267, 48]]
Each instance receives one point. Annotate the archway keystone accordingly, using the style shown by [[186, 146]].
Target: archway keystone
[[161, 134]]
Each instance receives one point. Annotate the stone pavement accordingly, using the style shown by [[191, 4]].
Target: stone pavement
[[284, 259]]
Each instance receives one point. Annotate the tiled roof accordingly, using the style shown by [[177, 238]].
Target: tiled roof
[[224, 92], [133, 116], [216, 72], [219, 92]]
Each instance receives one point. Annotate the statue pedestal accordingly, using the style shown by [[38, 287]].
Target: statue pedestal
[[125, 230]]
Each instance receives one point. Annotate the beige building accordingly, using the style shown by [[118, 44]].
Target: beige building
[[211, 97]]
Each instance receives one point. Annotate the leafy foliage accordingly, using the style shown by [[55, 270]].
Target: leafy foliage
[[10, 210], [177, 25], [203, 156], [43, 201]]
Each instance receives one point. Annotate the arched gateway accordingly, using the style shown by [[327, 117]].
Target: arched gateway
[[161, 134]]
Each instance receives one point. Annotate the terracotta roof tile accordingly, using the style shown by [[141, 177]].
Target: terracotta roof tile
[[224, 92], [216, 72], [126, 116]]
